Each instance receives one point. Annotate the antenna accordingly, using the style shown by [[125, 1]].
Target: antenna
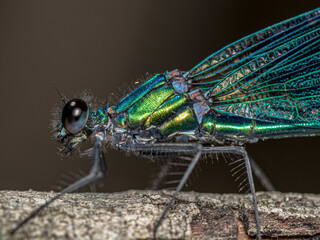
[[63, 99]]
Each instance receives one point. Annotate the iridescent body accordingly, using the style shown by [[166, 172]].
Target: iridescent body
[[266, 85]]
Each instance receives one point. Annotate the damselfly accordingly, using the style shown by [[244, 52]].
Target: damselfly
[[266, 85]]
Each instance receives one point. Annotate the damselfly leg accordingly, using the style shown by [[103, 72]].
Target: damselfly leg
[[256, 169], [97, 171], [261, 176], [170, 149], [197, 150], [157, 182]]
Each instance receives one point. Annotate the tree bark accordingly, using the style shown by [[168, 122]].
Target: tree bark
[[132, 215]]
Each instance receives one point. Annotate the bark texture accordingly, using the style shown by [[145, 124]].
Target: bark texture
[[132, 215]]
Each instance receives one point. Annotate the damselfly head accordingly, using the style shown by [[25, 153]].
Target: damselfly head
[[73, 122]]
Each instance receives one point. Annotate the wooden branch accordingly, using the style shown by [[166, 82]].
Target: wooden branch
[[132, 215]]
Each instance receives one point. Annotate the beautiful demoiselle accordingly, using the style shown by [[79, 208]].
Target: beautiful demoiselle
[[263, 86]]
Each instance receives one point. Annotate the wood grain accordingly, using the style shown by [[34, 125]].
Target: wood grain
[[132, 215]]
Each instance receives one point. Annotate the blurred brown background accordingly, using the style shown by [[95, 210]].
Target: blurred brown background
[[102, 45]]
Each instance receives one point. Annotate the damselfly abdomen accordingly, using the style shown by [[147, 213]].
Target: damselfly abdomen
[[266, 85]]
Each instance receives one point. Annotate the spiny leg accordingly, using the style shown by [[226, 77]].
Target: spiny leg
[[197, 149], [97, 171], [253, 192], [183, 148], [172, 170], [185, 177], [256, 169], [243, 152]]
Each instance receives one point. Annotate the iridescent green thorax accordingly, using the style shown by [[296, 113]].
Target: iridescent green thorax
[[173, 104], [143, 109], [137, 94], [159, 105]]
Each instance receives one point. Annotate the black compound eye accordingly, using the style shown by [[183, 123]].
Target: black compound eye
[[75, 115]]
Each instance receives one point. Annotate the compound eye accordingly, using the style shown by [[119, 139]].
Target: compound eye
[[75, 115]]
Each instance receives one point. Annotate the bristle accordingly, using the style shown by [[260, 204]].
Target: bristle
[[73, 176]]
